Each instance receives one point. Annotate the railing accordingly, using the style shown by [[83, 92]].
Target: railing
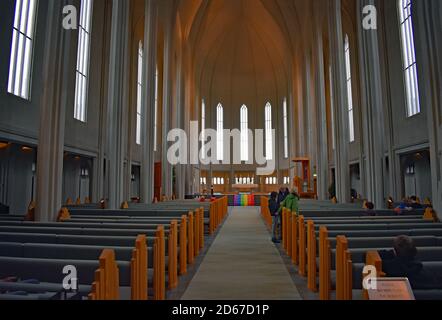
[[218, 211]]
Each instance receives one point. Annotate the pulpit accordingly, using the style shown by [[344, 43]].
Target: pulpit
[[305, 179]]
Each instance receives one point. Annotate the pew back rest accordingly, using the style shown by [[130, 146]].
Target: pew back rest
[[51, 270]]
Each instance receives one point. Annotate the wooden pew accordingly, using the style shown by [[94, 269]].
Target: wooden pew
[[294, 237], [302, 246], [311, 254], [139, 267], [106, 285], [373, 259], [344, 270], [265, 212], [159, 265], [324, 265]]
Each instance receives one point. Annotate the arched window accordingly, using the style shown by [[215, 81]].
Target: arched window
[[83, 59], [139, 91], [155, 137], [244, 119], [332, 111], [351, 127], [220, 132], [286, 130], [20, 67], [203, 129], [409, 57], [268, 132]]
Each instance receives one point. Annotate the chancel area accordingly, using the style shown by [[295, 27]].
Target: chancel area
[[220, 150]]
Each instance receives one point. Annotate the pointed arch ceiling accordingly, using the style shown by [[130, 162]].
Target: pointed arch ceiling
[[242, 50]]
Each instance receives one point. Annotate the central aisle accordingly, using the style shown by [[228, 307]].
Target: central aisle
[[242, 264]]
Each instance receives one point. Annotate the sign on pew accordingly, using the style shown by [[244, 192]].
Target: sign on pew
[[391, 289]]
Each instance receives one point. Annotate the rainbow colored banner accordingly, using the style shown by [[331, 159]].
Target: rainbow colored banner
[[244, 200]]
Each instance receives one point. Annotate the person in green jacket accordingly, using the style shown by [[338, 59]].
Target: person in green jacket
[[291, 202]]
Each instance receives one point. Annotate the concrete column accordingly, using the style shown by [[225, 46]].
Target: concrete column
[[322, 137], [117, 102], [53, 104], [148, 101], [167, 100], [428, 43], [372, 109], [340, 102], [180, 123]]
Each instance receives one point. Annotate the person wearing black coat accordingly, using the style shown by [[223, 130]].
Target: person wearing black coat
[[401, 262], [274, 212]]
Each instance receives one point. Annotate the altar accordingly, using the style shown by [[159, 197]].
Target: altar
[[245, 188]]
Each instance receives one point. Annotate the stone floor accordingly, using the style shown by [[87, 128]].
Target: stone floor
[[242, 264]]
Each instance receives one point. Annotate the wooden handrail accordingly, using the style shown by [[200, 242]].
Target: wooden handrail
[[302, 246], [190, 239], [201, 242], [159, 265], [196, 231], [106, 284], [183, 245], [173, 254], [324, 264], [311, 256], [139, 267], [341, 249], [348, 276], [283, 235], [294, 226], [288, 228], [212, 218]]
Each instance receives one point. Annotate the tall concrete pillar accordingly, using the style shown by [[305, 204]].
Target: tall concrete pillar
[[52, 114], [167, 99], [321, 114], [372, 109], [428, 43], [148, 101], [340, 101], [117, 102]]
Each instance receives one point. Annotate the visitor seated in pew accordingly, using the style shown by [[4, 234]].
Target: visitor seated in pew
[[276, 217], [401, 262], [403, 207], [369, 211], [414, 203], [291, 202]]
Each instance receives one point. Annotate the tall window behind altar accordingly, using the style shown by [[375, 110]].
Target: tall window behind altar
[[244, 133], [268, 131], [203, 130], [139, 92], [83, 60], [20, 65], [286, 130], [409, 57], [219, 132]]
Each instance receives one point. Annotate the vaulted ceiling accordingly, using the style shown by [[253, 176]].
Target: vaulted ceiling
[[243, 51]]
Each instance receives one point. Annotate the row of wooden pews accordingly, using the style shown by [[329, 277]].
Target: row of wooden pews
[[136, 253], [331, 247]]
